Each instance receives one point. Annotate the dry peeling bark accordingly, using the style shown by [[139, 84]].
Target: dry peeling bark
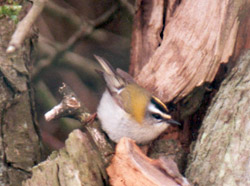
[[79, 163], [221, 155], [130, 166], [20, 146], [198, 36]]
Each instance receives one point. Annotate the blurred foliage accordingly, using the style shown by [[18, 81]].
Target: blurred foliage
[[11, 11], [70, 32]]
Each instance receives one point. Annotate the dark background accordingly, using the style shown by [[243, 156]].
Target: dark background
[[58, 61]]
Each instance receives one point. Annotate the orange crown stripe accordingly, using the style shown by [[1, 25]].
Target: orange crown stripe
[[160, 103]]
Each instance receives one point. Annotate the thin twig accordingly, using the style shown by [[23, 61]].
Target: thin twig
[[68, 14], [129, 7], [81, 64], [104, 17], [70, 106], [25, 25], [85, 30]]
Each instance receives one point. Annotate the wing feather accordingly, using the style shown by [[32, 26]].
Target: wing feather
[[114, 82]]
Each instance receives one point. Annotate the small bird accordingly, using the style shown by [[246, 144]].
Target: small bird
[[128, 110]]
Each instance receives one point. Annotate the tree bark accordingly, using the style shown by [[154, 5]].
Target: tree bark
[[175, 49], [221, 155], [20, 147], [79, 163], [177, 57]]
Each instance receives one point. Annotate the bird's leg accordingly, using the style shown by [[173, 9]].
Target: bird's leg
[[91, 118]]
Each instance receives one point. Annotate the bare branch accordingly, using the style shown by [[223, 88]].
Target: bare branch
[[104, 17], [129, 7], [71, 107], [79, 63], [85, 30], [25, 25], [55, 10]]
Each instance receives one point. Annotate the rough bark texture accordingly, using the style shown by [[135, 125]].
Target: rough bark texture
[[19, 140], [222, 155], [198, 37], [75, 165], [130, 166], [147, 27]]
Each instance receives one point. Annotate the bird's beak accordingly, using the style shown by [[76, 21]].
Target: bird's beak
[[171, 121]]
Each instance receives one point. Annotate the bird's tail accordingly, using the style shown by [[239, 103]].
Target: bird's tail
[[114, 82]]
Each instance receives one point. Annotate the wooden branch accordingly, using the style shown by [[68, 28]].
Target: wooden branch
[[68, 14], [129, 6], [70, 106], [199, 37], [24, 26], [130, 166]]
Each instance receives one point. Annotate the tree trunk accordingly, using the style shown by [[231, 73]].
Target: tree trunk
[[180, 45], [221, 155], [20, 147]]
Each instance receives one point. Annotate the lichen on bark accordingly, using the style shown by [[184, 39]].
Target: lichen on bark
[[221, 155]]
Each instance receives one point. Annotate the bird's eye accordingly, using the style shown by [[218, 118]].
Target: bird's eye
[[157, 116]]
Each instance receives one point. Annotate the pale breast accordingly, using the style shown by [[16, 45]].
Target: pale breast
[[117, 123]]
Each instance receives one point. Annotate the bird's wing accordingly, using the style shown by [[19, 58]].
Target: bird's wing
[[126, 76], [114, 82]]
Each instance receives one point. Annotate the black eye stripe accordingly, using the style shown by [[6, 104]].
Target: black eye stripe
[[158, 105], [157, 116]]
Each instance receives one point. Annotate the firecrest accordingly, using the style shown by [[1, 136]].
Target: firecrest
[[128, 110]]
